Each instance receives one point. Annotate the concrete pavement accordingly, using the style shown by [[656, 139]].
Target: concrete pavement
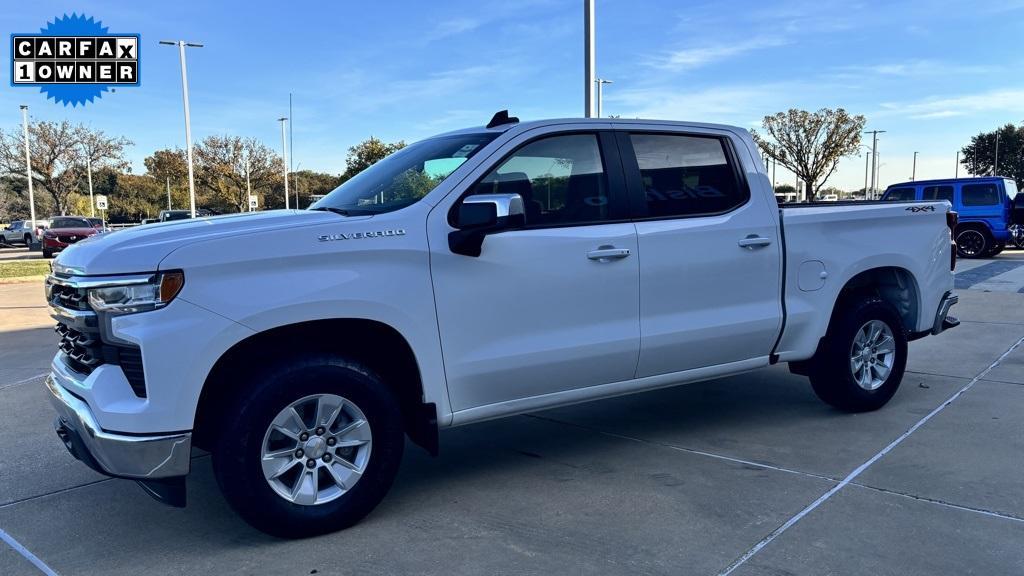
[[750, 473]]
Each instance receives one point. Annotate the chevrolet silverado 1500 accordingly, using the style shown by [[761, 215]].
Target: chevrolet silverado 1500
[[473, 275]]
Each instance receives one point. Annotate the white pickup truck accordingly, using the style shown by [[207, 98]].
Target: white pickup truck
[[473, 275]]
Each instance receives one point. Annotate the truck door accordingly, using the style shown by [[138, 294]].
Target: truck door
[[710, 253], [553, 306]]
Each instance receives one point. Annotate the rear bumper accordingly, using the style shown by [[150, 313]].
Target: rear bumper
[[943, 321], [124, 456]]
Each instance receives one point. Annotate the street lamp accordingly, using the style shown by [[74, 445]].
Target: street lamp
[[28, 173], [913, 172], [181, 44], [284, 150], [995, 165], [600, 92]]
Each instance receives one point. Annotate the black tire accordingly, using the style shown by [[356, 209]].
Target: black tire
[[237, 452], [995, 249], [973, 242], [831, 370], [47, 253], [28, 241]]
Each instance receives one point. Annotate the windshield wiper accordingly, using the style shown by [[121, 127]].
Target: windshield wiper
[[344, 211]]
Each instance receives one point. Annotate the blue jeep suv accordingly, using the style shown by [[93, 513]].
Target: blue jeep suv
[[985, 206]]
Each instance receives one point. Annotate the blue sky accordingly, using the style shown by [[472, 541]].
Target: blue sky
[[930, 73]]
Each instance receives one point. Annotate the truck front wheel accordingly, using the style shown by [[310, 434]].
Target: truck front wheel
[[312, 447], [861, 361]]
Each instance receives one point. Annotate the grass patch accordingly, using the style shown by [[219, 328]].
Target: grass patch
[[27, 269]]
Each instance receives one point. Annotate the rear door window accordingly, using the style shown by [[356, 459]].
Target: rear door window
[[900, 194], [979, 195], [938, 193], [686, 175]]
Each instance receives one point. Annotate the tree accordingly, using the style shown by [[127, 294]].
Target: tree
[[979, 156], [307, 183], [811, 144], [785, 189], [366, 153], [221, 169], [59, 151]]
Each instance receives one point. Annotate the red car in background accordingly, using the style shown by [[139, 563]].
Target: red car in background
[[66, 230]]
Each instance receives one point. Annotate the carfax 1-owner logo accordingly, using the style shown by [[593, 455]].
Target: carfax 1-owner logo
[[74, 60]]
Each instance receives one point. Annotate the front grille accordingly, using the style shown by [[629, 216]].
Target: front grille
[[69, 297], [70, 239], [84, 351]]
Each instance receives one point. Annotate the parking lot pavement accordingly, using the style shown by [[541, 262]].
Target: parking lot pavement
[[17, 253], [743, 475]]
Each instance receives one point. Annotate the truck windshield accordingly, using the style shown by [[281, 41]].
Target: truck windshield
[[404, 177]]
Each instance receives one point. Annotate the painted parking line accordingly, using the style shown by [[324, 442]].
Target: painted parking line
[[24, 381], [987, 272], [26, 553], [860, 469]]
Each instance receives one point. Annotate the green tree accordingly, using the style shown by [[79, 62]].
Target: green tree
[[979, 156], [785, 189], [307, 183], [810, 144], [366, 153], [221, 164]]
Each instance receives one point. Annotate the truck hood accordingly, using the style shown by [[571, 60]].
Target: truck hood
[[140, 249]]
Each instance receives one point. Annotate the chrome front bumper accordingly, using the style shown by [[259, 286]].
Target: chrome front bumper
[[121, 455]]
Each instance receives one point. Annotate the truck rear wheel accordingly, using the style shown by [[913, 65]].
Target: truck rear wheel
[[861, 361], [312, 447]]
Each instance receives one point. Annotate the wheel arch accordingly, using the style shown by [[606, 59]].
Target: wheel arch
[[895, 285], [378, 345]]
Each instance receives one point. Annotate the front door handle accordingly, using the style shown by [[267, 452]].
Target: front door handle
[[608, 253], [752, 241]]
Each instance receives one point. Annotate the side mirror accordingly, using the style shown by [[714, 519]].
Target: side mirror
[[484, 214]]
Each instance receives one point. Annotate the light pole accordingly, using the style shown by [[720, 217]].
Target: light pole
[[995, 165], [600, 93], [248, 188], [181, 44], [168, 192], [284, 149], [956, 173], [28, 173], [588, 58], [874, 159], [88, 174], [913, 171]]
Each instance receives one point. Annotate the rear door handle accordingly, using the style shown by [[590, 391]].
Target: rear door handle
[[608, 253], [752, 241]]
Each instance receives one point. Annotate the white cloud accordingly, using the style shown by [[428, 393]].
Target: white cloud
[[1006, 101], [696, 57], [453, 27], [732, 104]]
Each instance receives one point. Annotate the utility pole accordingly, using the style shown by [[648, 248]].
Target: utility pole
[[956, 174], [28, 174], [913, 172], [168, 192], [188, 121], [600, 93], [588, 58], [284, 150], [874, 159]]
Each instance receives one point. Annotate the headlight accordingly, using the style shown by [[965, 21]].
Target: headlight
[[137, 297]]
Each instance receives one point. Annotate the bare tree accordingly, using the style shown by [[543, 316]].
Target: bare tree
[[221, 170], [59, 151], [811, 144]]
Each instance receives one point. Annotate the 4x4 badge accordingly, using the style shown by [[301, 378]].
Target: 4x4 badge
[[920, 208]]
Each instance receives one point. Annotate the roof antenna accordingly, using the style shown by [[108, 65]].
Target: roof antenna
[[500, 118]]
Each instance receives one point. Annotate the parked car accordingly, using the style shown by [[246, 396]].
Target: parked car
[[150, 220], [20, 232], [477, 274], [984, 205], [830, 198], [67, 230], [169, 215]]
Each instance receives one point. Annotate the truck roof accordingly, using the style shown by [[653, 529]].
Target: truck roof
[[949, 181]]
